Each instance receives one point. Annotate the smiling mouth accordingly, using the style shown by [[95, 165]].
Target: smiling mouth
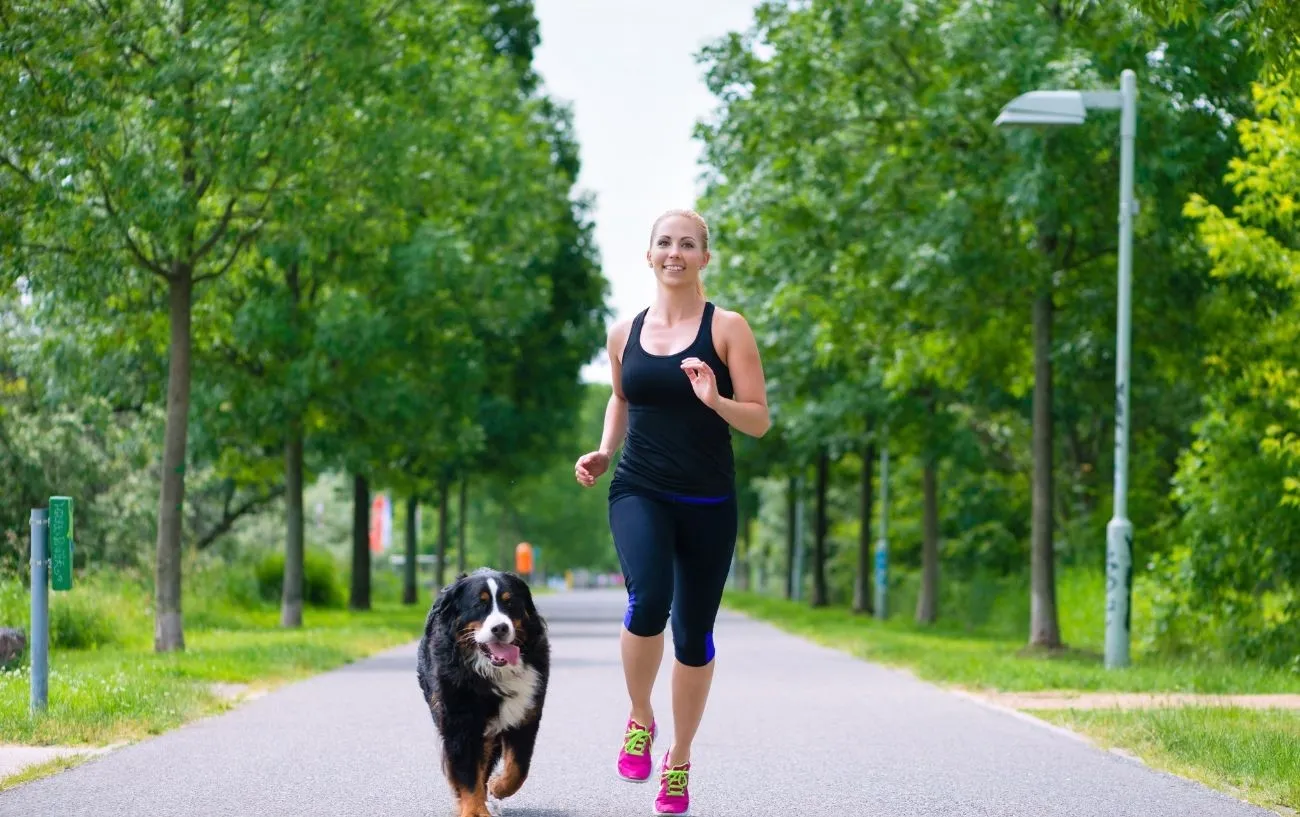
[[500, 653], [672, 268]]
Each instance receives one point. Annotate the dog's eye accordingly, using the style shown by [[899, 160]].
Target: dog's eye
[[484, 596], [505, 596]]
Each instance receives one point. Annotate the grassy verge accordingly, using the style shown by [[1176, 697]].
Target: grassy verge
[[106, 683], [980, 660], [1251, 754], [126, 692], [39, 770]]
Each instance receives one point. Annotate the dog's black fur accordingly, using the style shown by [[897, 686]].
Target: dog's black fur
[[484, 712]]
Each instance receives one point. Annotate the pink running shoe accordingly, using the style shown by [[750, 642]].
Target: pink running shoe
[[634, 760], [673, 796]]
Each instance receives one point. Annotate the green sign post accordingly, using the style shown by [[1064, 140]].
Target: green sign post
[[51, 569], [60, 543]]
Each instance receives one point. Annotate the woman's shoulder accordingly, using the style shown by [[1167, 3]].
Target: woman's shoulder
[[729, 322], [616, 337]]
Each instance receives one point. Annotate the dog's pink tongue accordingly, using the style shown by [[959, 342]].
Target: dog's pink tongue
[[507, 652]]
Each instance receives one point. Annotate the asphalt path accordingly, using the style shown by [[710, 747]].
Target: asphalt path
[[792, 729]]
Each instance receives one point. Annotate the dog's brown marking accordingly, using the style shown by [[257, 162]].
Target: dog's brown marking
[[465, 637], [511, 777], [473, 802]]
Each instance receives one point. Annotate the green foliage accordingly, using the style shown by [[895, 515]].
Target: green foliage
[[1270, 27], [886, 241], [949, 653], [550, 510], [102, 609], [81, 621], [378, 252], [89, 452], [322, 583], [1232, 582], [122, 690]]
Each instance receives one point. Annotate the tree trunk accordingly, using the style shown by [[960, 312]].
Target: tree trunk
[[169, 632], [927, 603], [820, 595], [862, 578], [444, 488], [292, 591], [360, 597], [791, 513], [506, 555], [1043, 628], [461, 557], [410, 588]]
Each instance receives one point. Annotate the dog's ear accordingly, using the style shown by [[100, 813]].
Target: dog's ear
[[459, 576], [446, 596], [525, 592]]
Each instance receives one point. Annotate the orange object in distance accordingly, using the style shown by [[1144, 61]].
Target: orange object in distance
[[523, 558]]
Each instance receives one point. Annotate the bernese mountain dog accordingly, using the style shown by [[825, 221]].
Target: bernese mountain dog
[[483, 665]]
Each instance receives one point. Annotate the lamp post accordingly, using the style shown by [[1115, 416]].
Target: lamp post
[[1071, 108]]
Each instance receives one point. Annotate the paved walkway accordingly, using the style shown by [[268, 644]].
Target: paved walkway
[[792, 729]]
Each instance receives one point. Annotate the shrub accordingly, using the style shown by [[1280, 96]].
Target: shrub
[[83, 620], [322, 584]]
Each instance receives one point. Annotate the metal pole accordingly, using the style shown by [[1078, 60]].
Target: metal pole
[[798, 539], [1119, 532], [40, 610], [882, 543]]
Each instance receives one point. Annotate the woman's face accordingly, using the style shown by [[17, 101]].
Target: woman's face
[[677, 251]]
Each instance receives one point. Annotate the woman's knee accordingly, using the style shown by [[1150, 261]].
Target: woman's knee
[[693, 647], [647, 613]]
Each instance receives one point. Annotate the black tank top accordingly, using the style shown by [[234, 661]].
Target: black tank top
[[675, 446]]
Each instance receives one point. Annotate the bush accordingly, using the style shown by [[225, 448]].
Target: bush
[[82, 620], [1261, 626], [100, 609], [322, 583]]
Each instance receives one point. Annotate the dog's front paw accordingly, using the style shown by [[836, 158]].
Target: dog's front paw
[[493, 806]]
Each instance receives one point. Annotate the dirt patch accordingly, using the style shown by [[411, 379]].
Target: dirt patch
[[236, 693], [1057, 699]]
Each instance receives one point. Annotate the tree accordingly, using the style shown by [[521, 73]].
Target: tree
[[161, 150], [1239, 481]]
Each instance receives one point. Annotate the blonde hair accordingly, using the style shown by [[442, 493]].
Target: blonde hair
[[695, 218]]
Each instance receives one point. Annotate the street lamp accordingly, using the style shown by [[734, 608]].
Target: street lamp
[[1071, 108]]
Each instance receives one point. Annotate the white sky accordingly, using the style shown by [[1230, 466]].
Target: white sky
[[627, 69]]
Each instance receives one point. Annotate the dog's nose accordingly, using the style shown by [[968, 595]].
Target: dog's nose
[[501, 630]]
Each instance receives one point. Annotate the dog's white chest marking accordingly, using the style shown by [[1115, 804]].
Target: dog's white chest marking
[[518, 691]]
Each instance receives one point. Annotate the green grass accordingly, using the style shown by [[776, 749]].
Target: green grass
[[1252, 754], [38, 770], [106, 683], [949, 653]]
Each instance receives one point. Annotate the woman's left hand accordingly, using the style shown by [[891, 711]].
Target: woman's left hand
[[702, 381]]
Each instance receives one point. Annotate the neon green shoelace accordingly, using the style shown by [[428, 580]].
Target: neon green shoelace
[[675, 780], [635, 740]]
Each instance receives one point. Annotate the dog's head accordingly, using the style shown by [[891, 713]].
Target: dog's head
[[491, 616]]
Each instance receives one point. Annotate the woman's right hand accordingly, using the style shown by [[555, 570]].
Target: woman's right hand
[[590, 466]]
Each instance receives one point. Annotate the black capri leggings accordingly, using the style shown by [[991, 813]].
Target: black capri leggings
[[674, 553]]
